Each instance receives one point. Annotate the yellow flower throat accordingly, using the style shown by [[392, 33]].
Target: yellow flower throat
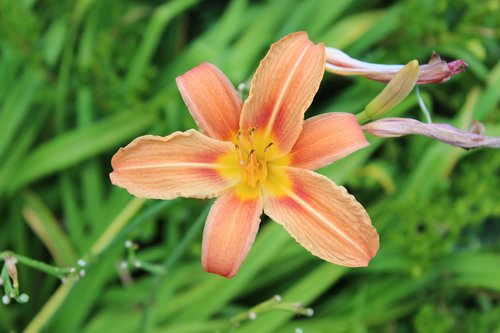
[[255, 164], [252, 161]]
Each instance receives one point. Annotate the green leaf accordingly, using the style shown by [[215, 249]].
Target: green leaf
[[44, 224], [75, 146]]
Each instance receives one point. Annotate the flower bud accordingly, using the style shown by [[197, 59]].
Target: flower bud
[[436, 71], [396, 127], [394, 93]]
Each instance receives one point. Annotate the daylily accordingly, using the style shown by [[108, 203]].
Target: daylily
[[436, 71], [396, 127], [258, 156]]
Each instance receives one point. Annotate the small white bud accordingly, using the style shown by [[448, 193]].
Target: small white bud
[[137, 264], [309, 312], [1, 281], [299, 330], [128, 244], [81, 263], [5, 299], [82, 273], [24, 298], [277, 298], [252, 315], [72, 270], [123, 264]]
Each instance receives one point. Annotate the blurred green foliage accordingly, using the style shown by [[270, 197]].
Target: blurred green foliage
[[78, 79]]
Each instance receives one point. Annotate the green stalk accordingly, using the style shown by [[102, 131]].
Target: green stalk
[[58, 272]]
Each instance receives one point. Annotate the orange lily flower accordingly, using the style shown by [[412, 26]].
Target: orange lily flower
[[258, 156]]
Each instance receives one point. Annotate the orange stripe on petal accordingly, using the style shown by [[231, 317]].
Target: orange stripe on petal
[[181, 164], [212, 100], [324, 219], [283, 88], [325, 139], [229, 233]]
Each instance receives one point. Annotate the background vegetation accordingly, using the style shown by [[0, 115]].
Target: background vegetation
[[78, 79]]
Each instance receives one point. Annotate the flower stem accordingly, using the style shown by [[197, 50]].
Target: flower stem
[[271, 304], [58, 272]]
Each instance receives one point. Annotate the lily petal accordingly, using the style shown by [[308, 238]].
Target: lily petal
[[181, 164], [212, 100], [326, 138], [282, 89], [229, 233], [436, 71], [324, 219]]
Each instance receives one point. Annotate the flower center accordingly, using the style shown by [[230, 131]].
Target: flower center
[[252, 158]]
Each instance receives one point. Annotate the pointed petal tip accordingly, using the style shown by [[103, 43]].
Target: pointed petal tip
[[325, 219], [326, 138], [457, 67], [225, 273], [283, 88], [211, 99], [151, 167]]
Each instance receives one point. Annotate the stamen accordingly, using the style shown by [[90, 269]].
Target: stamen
[[263, 173], [253, 165], [251, 137], [251, 180], [241, 162]]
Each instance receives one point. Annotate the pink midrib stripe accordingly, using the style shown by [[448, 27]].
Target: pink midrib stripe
[[194, 165], [279, 101], [325, 221]]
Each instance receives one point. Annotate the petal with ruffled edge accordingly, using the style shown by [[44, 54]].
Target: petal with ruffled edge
[[212, 100], [181, 164], [326, 138], [230, 231], [324, 219], [282, 89]]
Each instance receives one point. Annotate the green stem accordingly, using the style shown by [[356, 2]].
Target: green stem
[[115, 231], [58, 272], [269, 305]]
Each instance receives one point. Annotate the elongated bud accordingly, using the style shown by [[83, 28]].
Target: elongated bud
[[396, 127], [396, 91], [10, 263], [436, 71]]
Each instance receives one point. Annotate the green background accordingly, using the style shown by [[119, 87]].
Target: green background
[[79, 79]]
